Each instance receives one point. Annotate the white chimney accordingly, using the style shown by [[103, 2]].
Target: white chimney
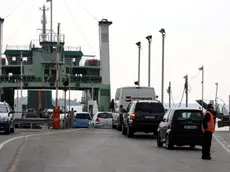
[[1, 44], [104, 50]]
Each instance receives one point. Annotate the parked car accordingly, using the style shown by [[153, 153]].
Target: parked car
[[102, 120], [6, 118], [181, 126], [31, 113], [142, 116], [81, 119]]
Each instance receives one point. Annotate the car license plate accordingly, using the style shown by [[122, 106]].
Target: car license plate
[[190, 127], [149, 117]]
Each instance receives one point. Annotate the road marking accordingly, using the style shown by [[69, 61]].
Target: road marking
[[31, 135], [218, 139]]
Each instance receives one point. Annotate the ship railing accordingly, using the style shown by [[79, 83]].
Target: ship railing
[[31, 78], [17, 47], [71, 48], [47, 38]]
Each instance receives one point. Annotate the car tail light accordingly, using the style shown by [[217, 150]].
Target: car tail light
[[76, 116], [133, 116], [97, 120]]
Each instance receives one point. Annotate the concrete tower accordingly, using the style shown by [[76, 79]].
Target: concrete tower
[[104, 62], [104, 50], [1, 39]]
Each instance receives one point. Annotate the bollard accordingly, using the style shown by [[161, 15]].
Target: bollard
[[72, 118]]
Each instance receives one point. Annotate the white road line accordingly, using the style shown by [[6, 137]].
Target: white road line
[[221, 143], [31, 135]]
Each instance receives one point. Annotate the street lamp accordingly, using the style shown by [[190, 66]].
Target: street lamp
[[202, 82], [149, 38], [216, 95], [70, 73], [162, 31], [139, 61]]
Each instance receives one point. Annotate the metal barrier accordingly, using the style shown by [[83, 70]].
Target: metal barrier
[[33, 121]]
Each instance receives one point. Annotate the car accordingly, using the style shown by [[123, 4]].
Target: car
[[142, 116], [6, 118], [102, 120], [82, 119], [180, 126]]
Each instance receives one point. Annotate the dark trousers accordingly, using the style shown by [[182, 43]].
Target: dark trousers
[[207, 140]]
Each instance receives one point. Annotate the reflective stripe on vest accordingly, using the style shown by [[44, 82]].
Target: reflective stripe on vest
[[211, 124]]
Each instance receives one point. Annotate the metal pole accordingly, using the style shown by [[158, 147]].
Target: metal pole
[[216, 96], [57, 63], [51, 19], [17, 98], [65, 102], [92, 91], [169, 91], [21, 75], [149, 38], [202, 82], [70, 73], [162, 80], [186, 90], [1, 39], [139, 62]]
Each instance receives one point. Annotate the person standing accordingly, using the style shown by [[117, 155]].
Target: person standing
[[208, 128]]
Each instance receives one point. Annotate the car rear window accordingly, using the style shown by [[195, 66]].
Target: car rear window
[[82, 116], [3, 108], [188, 115], [105, 115], [150, 107]]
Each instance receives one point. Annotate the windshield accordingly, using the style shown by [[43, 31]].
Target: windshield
[[82, 116], [180, 115], [105, 115], [150, 107], [3, 108]]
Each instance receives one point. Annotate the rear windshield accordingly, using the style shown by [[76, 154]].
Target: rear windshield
[[105, 115], [188, 115], [82, 116], [3, 108], [150, 107], [30, 110]]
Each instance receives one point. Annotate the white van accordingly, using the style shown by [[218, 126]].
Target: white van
[[125, 95]]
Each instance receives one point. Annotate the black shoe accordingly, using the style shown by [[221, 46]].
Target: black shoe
[[206, 158]]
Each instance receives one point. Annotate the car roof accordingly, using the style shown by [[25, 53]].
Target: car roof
[[82, 112], [3, 103], [146, 101], [185, 108]]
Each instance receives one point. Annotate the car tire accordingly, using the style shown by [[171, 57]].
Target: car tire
[[192, 146], [168, 142], [7, 131], [130, 132], [12, 130], [124, 129], [159, 143]]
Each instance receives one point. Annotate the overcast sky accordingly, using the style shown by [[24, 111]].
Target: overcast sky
[[197, 34]]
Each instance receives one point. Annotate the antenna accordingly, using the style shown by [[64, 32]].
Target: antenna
[[44, 22], [51, 18]]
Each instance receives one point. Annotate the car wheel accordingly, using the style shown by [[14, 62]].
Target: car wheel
[[159, 143], [124, 130], [192, 146], [12, 130], [7, 131], [168, 142], [130, 132]]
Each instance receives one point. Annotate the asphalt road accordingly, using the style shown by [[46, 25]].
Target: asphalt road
[[103, 150]]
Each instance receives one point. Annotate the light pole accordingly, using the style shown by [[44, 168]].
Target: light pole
[[139, 61], [21, 75], [149, 38], [216, 95], [70, 74], [162, 31], [202, 82]]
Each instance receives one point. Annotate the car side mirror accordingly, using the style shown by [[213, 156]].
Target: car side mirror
[[11, 112]]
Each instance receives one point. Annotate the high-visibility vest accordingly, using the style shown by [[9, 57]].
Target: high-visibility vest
[[211, 123]]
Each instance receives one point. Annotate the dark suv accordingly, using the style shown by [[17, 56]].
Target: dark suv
[[181, 126], [142, 116]]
